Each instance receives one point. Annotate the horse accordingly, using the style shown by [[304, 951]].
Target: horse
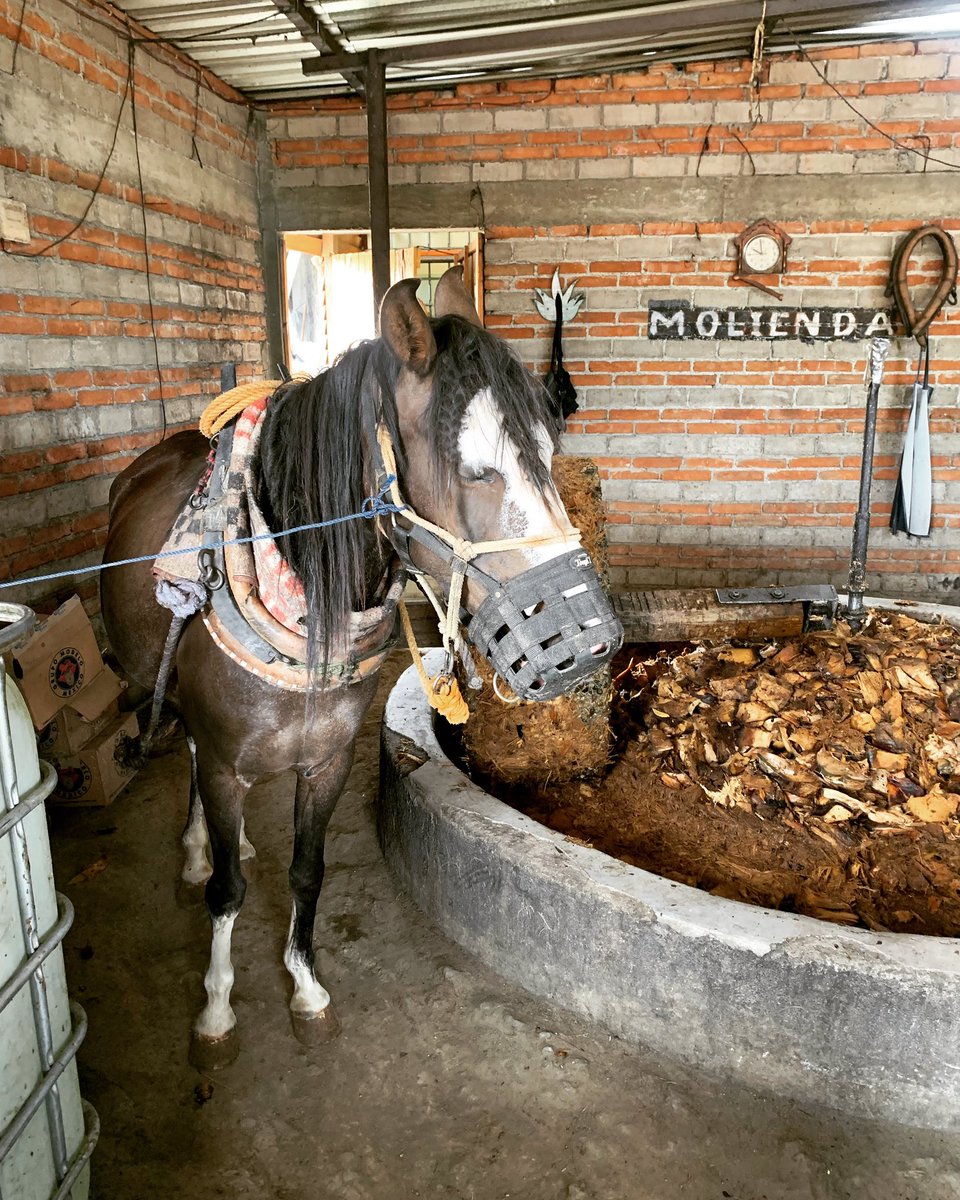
[[472, 435]]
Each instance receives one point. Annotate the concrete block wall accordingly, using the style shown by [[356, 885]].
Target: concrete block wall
[[722, 463], [78, 363]]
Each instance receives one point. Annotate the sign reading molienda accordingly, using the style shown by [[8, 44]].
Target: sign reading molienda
[[676, 320]]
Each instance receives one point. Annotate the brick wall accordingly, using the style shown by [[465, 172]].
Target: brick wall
[[721, 463], [80, 389]]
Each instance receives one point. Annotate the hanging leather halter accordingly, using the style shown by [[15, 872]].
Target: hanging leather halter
[[917, 324]]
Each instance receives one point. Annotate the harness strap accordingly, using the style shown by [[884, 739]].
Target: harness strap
[[441, 541]]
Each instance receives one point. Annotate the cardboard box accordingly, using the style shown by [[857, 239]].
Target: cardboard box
[[61, 666], [95, 775], [68, 732]]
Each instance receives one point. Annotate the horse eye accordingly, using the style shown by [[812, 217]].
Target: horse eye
[[480, 475]]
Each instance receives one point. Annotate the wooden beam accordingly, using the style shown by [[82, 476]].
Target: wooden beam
[[377, 182], [667, 616], [687, 616]]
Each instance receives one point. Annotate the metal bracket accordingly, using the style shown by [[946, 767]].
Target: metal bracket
[[819, 600]]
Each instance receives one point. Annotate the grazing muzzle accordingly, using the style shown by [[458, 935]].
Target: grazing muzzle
[[547, 628]]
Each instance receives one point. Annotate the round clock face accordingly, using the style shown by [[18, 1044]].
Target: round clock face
[[762, 253]]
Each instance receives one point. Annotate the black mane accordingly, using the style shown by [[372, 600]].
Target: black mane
[[311, 464]]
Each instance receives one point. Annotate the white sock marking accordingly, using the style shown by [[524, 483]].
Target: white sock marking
[[309, 998], [217, 1018], [246, 847]]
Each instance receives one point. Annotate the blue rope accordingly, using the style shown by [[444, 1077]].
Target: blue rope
[[373, 506]]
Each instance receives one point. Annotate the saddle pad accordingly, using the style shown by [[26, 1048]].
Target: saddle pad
[[260, 563]]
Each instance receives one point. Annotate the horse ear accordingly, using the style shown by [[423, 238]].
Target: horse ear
[[452, 298], [405, 327]]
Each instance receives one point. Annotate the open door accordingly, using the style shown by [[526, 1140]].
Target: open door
[[328, 285], [473, 270]]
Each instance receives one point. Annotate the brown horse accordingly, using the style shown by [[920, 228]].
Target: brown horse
[[473, 436]]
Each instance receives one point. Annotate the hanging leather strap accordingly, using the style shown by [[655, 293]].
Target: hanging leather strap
[[917, 324]]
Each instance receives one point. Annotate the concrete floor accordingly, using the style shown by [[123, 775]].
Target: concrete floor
[[444, 1082]]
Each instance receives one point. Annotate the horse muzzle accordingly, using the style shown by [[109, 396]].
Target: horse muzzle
[[548, 628]]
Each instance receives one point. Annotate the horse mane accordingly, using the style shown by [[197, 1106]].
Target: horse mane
[[311, 465], [469, 360]]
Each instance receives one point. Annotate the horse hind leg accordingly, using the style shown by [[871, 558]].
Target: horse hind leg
[[195, 839], [214, 1042], [318, 790]]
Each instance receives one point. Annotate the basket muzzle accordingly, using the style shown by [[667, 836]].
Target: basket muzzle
[[547, 628]]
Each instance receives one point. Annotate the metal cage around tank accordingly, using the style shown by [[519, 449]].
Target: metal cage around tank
[[47, 1133]]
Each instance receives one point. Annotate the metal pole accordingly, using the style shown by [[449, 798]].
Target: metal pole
[[861, 525], [377, 179]]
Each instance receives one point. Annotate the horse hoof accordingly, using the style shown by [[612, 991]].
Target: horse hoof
[[213, 1054], [314, 1031]]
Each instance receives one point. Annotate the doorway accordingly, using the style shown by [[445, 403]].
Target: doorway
[[328, 285]]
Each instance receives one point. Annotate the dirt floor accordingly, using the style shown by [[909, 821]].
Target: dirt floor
[[445, 1081]]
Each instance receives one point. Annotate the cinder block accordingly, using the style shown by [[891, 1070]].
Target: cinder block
[[342, 176], [919, 66], [439, 173], [478, 121], [354, 125], [520, 119], [651, 166], [550, 168], [696, 113], [414, 123], [500, 172], [576, 116], [792, 72], [313, 126], [603, 168], [631, 115], [25, 511], [49, 353], [64, 500]]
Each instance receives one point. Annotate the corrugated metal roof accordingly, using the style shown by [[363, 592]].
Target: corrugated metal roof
[[259, 49]]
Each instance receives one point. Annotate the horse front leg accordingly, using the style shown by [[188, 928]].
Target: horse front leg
[[318, 789], [214, 1042], [195, 839]]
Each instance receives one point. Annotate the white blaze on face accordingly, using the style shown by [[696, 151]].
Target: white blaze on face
[[526, 511]]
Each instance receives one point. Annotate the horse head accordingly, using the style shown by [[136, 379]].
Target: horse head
[[484, 519]]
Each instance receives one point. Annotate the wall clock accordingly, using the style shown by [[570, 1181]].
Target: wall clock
[[761, 250]]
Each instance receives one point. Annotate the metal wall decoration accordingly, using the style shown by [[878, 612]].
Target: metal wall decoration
[[559, 305], [570, 301], [676, 320]]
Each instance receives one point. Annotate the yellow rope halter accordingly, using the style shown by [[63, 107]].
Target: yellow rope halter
[[227, 405]]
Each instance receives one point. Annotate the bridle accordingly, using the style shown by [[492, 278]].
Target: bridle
[[544, 629]]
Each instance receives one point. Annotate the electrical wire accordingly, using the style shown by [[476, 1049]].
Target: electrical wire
[[894, 141], [16, 40], [131, 54], [81, 220]]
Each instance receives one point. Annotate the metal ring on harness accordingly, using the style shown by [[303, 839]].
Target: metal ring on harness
[[210, 574]]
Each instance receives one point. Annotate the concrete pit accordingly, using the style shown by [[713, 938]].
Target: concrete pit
[[822, 1014]]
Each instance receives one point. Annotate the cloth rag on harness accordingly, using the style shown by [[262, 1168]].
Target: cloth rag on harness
[[255, 606], [913, 500]]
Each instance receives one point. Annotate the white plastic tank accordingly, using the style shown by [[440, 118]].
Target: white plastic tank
[[47, 1132]]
